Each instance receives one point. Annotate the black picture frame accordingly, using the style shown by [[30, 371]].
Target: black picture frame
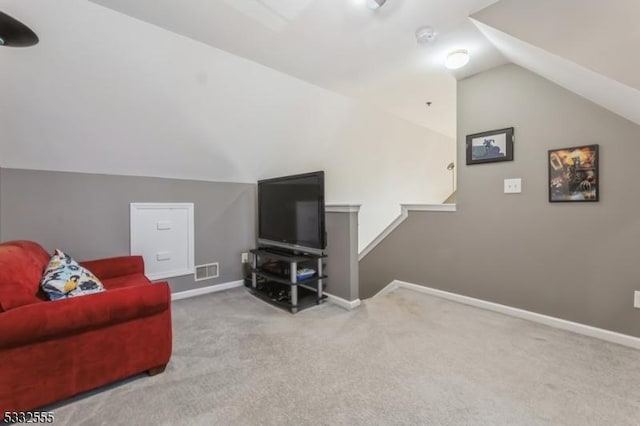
[[574, 174], [490, 147]]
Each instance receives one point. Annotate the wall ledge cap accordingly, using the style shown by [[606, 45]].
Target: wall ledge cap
[[342, 208], [429, 207]]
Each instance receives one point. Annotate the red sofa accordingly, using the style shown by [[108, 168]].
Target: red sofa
[[51, 350]]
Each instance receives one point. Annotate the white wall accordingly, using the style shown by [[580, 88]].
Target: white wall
[[105, 93]]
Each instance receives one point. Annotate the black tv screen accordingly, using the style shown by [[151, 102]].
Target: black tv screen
[[291, 210]]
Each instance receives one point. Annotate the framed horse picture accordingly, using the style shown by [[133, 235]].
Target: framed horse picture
[[490, 147]]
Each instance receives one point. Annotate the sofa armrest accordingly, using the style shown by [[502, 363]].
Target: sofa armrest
[[115, 266], [54, 319]]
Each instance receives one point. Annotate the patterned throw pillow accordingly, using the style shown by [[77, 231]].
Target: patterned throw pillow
[[64, 277]]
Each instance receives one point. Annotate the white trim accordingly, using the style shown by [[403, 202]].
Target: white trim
[[343, 303], [384, 234], [404, 213], [342, 208], [166, 275], [430, 207], [586, 330], [206, 290], [393, 285]]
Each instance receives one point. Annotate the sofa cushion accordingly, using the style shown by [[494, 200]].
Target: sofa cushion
[[36, 323], [34, 250], [21, 269], [115, 266], [64, 277]]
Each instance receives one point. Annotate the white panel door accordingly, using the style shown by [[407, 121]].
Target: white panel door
[[162, 234]]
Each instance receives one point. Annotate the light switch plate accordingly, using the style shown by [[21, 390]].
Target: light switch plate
[[513, 186], [636, 300]]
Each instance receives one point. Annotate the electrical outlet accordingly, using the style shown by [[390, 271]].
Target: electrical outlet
[[513, 186], [636, 300], [245, 257]]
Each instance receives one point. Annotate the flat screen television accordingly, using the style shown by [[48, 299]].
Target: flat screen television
[[291, 211]]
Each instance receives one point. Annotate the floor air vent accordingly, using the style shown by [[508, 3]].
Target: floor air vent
[[207, 272]]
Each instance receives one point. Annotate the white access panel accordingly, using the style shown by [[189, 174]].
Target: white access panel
[[162, 233]]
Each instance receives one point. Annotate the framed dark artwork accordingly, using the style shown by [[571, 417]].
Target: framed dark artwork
[[573, 174], [490, 147]]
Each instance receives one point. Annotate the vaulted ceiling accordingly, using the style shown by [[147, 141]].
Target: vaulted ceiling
[[602, 36], [586, 46], [341, 45]]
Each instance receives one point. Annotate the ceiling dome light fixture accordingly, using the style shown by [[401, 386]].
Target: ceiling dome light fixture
[[375, 4], [457, 59], [14, 33], [426, 35]]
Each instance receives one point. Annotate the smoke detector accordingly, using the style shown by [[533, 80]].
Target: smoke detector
[[426, 34]]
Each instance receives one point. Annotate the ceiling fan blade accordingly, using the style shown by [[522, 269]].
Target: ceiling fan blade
[[14, 33]]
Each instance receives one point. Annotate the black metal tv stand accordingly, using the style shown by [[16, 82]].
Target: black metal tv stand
[[281, 287]]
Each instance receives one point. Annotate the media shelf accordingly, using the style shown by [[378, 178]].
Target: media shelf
[[274, 278]]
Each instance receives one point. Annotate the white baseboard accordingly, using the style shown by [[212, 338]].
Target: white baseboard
[[586, 330], [343, 303], [206, 290]]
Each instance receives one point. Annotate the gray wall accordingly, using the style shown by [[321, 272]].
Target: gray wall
[[342, 249], [573, 261], [88, 215]]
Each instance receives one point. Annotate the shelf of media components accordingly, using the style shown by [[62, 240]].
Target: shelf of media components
[[299, 294]]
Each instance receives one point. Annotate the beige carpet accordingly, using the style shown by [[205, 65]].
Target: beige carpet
[[401, 359]]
